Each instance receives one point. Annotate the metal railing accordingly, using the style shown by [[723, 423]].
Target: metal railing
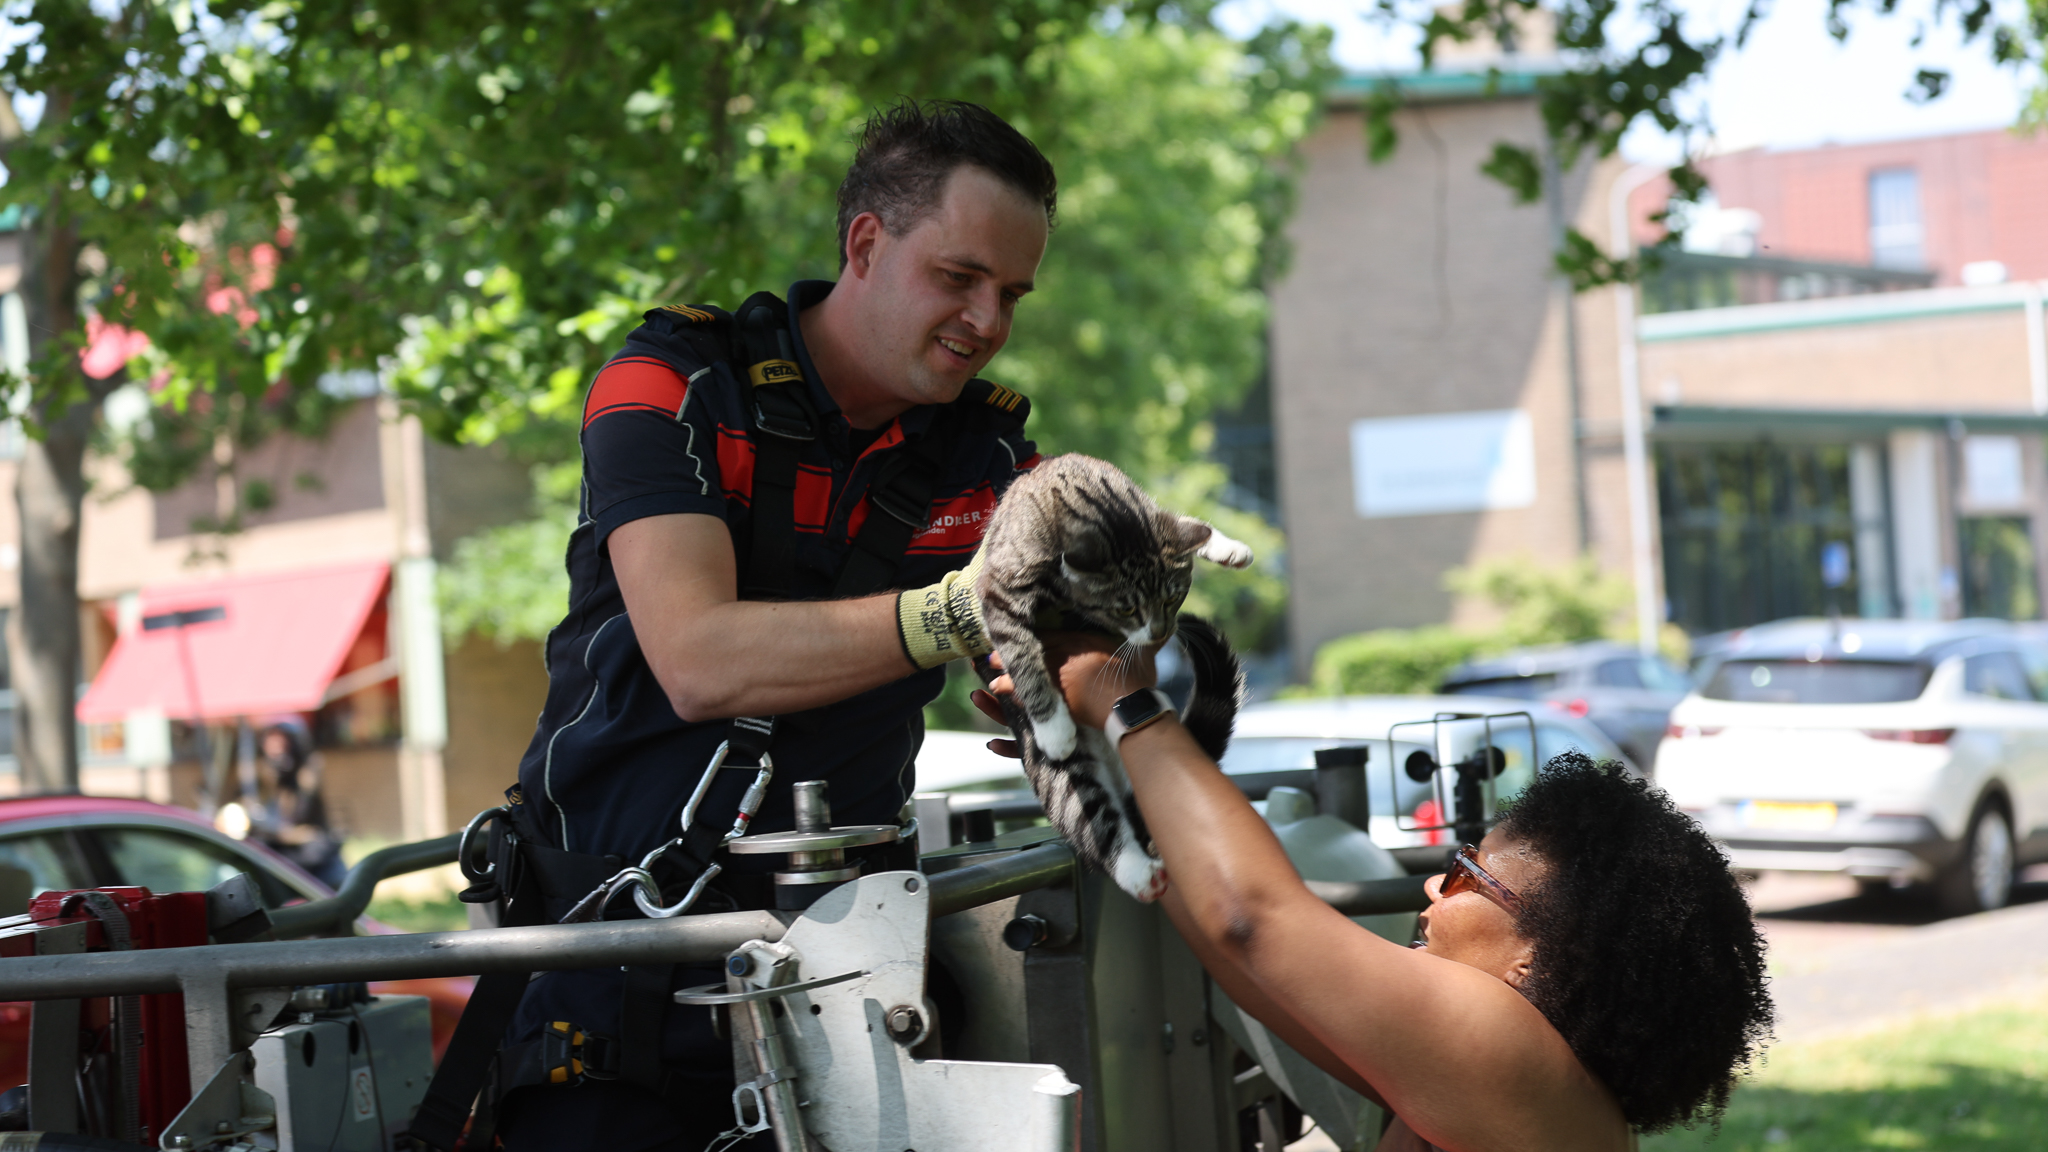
[[337, 912]]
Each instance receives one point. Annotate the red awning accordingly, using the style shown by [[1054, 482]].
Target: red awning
[[239, 646]]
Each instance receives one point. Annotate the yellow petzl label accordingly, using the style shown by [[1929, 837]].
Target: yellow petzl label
[[774, 372]]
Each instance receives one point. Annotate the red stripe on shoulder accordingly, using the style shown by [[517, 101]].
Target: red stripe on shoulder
[[1030, 462], [637, 384]]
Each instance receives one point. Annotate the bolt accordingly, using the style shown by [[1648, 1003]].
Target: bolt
[[738, 965], [910, 885], [1026, 932], [904, 1022], [181, 1141], [223, 1126]]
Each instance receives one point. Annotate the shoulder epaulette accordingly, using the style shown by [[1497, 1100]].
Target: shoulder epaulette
[[981, 393], [689, 313]]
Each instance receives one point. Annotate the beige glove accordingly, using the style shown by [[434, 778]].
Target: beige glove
[[943, 621]]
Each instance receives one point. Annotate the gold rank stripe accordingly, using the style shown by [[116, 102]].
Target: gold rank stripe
[[697, 314], [1001, 397]]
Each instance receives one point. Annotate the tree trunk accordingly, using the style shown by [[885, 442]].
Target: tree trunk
[[49, 492]]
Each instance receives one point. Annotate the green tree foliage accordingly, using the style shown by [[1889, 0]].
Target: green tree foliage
[[1538, 605], [481, 196], [1171, 143]]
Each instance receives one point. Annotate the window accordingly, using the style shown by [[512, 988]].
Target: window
[[1619, 674], [1519, 687], [30, 865], [1895, 231], [1999, 675], [1817, 682], [165, 861]]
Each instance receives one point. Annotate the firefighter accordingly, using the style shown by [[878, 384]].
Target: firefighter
[[780, 506]]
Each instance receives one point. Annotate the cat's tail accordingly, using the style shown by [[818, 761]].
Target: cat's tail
[[1219, 685]]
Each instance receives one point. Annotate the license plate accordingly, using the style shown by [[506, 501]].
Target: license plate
[[1816, 817]]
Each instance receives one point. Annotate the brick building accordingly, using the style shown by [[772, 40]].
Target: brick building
[[1839, 389], [321, 610]]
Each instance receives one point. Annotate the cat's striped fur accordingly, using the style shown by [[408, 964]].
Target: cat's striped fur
[[1076, 543]]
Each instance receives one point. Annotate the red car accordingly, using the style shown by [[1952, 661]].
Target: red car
[[65, 842]]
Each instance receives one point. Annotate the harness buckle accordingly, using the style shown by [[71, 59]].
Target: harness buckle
[[886, 498], [569, 1055], [793, 423]]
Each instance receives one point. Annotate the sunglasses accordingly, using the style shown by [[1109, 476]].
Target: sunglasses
[[1465, 875]]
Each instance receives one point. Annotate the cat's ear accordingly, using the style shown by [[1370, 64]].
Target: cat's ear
[[1190, 534]]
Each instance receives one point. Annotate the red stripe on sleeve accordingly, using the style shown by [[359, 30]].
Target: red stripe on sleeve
[[636, 385]]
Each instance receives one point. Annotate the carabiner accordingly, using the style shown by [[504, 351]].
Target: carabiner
[[462, 856]]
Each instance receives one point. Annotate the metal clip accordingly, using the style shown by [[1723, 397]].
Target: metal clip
[[463, 859]]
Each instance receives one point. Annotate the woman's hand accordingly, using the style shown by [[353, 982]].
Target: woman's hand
[[1094, 672]]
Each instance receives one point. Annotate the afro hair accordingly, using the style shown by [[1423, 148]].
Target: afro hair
[[1646, 957]]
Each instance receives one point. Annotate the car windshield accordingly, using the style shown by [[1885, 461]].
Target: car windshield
[[1818, 682], [1519, 687]]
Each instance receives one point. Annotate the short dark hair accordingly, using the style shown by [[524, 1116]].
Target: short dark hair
[[1647, 959], [908, 150]]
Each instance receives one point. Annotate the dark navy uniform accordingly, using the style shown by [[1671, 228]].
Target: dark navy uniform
[[667, 428]]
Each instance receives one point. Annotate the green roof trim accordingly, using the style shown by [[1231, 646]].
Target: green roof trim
[[1827, 312], [1696, 423], [1437, 87]]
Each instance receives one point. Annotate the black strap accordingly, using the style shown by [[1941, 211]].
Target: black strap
[[783, 422], [456, 1083], [643, 1007], [900, 504]]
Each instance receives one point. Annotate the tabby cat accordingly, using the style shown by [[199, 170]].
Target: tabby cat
[[1076, 542]]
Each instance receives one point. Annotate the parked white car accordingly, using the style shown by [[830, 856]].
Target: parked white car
[[1275, 745], [1896, 752]]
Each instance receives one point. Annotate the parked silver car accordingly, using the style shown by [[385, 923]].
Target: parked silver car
[[1625, 693]]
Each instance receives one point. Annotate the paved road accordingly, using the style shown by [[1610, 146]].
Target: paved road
[[1841, 964]]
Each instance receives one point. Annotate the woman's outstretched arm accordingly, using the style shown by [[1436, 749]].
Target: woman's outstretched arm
[[1433, 1036]]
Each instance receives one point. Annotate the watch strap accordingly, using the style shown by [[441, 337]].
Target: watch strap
[[1135, 711]]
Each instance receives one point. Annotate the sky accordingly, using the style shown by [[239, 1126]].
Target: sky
[[1791, 86]]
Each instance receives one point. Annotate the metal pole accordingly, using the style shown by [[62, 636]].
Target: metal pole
[[283, 964], [2037, 346], [335, 913], [973, 885], [1635, 454]]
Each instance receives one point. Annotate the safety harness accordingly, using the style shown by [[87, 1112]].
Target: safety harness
[[533, 883]]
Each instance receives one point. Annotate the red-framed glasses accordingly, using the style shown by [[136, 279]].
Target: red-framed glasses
[[1466, 875]]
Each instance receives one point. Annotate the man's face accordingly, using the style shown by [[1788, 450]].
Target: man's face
[[937, 300]]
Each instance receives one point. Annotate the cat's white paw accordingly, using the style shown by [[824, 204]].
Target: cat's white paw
[[1056, 734], [1223, 550], [1143, 876]]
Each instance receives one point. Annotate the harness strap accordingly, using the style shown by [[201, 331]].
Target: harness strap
[[901, 500], [643, 1007], [459, 1079], [785, 421]]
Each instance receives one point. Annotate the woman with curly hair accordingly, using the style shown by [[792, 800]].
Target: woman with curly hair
[[1589, 971]]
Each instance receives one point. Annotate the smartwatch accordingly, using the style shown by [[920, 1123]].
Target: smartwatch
[[1135, 711]]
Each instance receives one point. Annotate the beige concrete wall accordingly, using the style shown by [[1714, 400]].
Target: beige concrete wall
[[494, 698], [1957, 362], [363, 796], [1418, 287]]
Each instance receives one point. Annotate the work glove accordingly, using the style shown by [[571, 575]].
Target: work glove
[[942, 621]]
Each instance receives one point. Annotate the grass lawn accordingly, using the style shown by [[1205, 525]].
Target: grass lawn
[[1970, 1083], [442, 914]]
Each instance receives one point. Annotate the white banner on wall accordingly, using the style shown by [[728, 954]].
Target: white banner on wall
[[1459, 462]]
